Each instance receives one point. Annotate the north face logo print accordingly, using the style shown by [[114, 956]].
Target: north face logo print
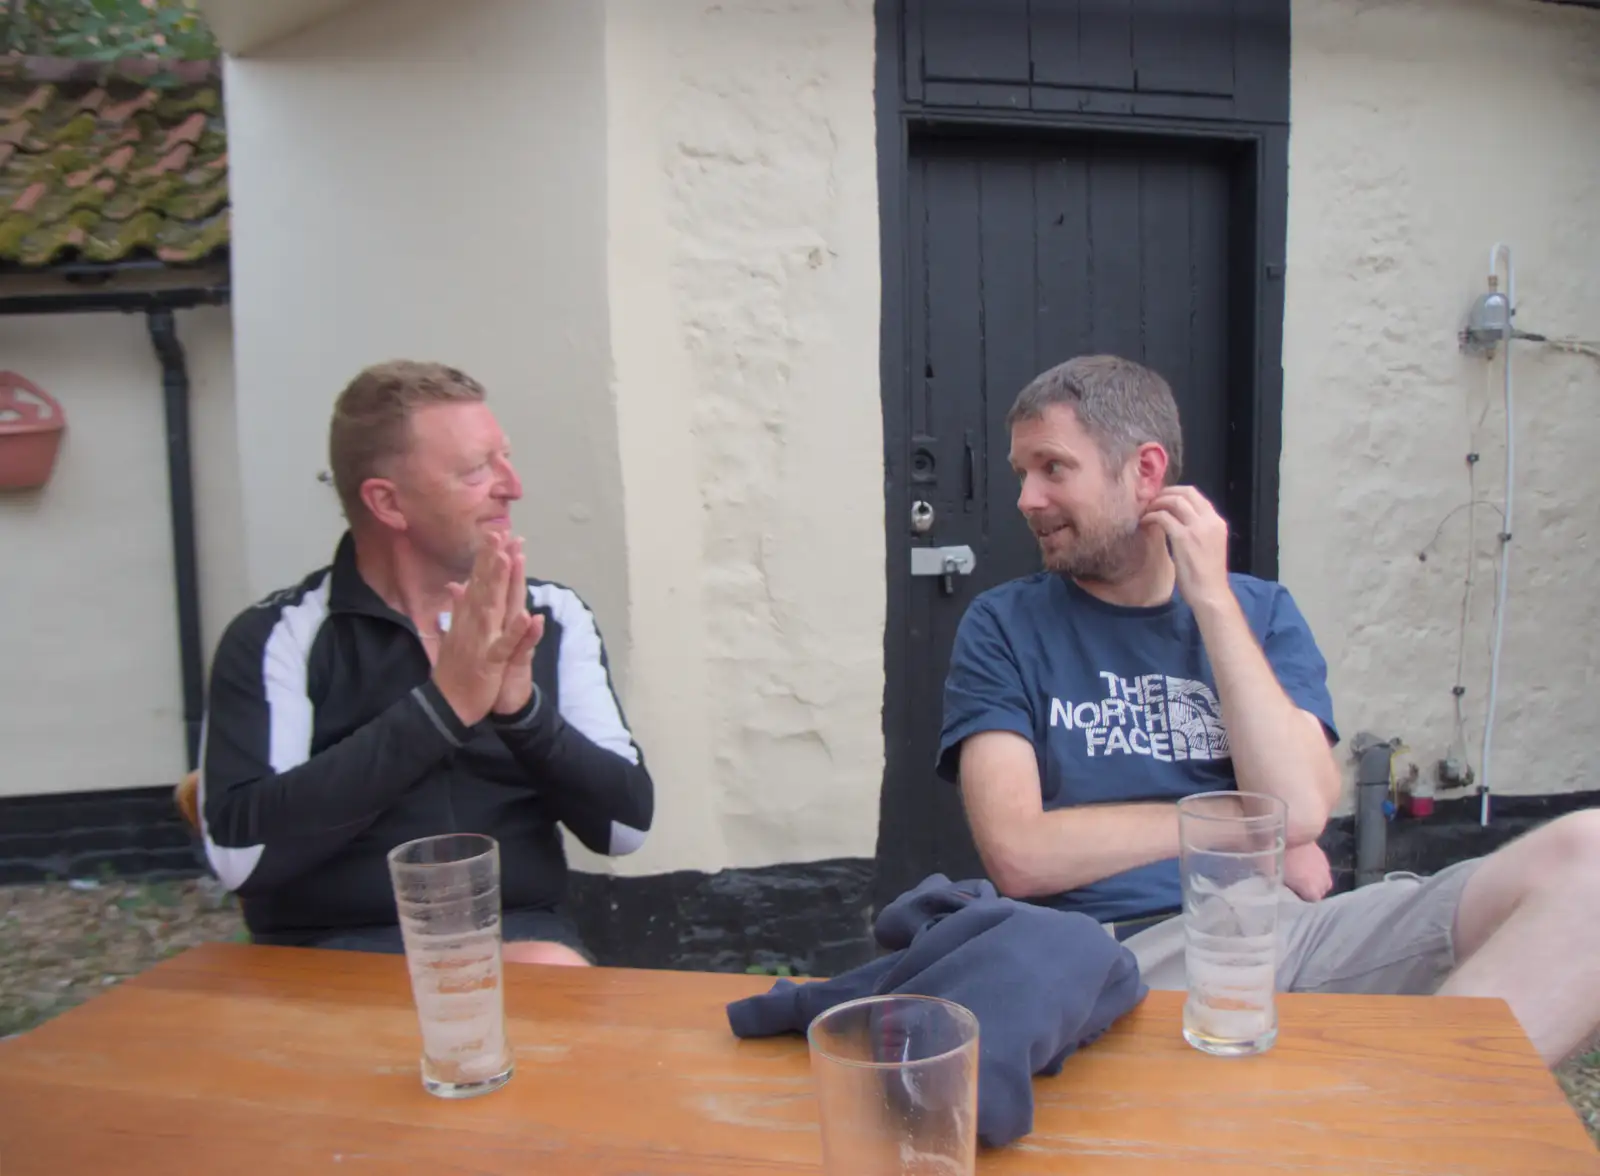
[[1168, 719]]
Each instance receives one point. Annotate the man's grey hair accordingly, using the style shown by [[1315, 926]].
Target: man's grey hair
[[1120, 404]]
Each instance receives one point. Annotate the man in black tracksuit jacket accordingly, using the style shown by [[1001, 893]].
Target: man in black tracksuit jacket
[[406, 690]]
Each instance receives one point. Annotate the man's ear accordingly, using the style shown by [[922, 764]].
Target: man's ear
[[382, 499], [1149, 470]]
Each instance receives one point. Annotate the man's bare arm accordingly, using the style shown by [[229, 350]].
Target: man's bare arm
[[1031, 853], [1277, 748]]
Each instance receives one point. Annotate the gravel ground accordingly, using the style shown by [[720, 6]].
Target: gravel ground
[[63, 942]]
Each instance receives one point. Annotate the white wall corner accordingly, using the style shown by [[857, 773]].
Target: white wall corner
[[243, 27]]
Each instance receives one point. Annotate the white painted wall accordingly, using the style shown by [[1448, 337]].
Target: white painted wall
[[90, 694], [1423, 132], [671, 288], [744, 294], [651, 230], [424, 180]]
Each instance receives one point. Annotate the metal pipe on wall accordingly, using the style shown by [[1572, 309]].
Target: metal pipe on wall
[[1372, 822], [180, 489]]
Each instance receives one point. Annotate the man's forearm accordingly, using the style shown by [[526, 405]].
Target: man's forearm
[[1076, 846], [1031, 853], [305, 814], [607, 800], [1275, 747]]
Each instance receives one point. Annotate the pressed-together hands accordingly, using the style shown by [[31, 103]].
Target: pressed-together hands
[[485, 660]]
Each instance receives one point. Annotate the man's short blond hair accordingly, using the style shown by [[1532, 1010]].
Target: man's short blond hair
[[372, 419], [1120, 404]]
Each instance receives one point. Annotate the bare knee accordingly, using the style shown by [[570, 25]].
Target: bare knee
[[1569, 844], [1561, 857], [1558, 861], [531, 951]]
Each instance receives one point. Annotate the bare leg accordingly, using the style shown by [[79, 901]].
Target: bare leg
[[1526, 931], [530, 951]]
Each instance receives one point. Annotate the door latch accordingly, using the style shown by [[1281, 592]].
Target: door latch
[[945, 562]]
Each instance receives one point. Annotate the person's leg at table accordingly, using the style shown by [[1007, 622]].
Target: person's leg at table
[[533, 951], [1516, 924], [1525, 931], [543, 937], [527, 937]]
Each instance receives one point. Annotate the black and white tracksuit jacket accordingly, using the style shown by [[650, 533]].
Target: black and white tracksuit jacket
[[326, 744]]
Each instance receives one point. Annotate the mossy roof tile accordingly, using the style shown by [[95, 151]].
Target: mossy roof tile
[[99, 164]]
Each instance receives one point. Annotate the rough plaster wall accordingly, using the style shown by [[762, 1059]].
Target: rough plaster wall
[[425, 180], [745, 294], [90, 696], [1423, 132]]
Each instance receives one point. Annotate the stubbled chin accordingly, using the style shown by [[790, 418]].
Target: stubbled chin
[[1054, 552]]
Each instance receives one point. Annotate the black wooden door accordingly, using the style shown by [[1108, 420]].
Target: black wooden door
[[1021, 253]]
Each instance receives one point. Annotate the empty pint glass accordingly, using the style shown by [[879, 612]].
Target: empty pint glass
[[447, 891]]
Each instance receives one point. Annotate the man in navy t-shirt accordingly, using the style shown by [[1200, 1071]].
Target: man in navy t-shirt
[[1119, 704], [1084, 701]]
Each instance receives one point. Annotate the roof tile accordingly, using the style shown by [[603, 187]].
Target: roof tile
[[123, 111], [31, 196], [110, 240], [98, 164], [186, 132], [12, 230], [194, 246], [118, 159], [37, 99], [175, 160]]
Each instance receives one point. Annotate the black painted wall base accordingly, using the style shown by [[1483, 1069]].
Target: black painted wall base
[[133, 832], [1451, 833], [812, 918]]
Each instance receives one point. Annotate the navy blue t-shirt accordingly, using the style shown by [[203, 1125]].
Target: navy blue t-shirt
[[1119, 703]]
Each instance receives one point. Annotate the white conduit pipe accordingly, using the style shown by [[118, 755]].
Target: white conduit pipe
[[1505, 534]]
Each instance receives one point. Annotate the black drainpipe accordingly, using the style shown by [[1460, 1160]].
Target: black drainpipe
[[158, 307], [180, 484]]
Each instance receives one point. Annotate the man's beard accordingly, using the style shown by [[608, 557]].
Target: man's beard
[[1102, 551]]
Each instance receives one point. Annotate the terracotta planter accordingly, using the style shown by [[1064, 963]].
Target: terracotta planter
[[31, 424]]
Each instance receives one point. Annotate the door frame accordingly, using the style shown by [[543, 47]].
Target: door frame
[[1265, 159]]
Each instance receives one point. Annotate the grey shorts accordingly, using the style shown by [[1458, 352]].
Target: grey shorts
[[1393, 937]]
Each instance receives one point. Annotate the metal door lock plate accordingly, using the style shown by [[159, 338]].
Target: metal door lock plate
[[944, 562], [938, 561]]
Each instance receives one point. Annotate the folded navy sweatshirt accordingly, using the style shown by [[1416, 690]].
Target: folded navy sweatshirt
[[1043, 983]]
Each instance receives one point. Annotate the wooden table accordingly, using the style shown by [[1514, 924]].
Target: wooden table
[[232, 1060]]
